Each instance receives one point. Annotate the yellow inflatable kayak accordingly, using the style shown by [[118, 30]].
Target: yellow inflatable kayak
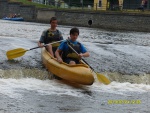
[[80, 73]]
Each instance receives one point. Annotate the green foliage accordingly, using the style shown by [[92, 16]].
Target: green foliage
[[79, 1], [75, 3], [27, 2]]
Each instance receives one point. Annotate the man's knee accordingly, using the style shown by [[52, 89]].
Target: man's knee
[[72, 62]]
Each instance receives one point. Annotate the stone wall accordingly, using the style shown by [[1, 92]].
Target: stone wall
[[28, 12], [3, 8], [44, 15], [104, 20]]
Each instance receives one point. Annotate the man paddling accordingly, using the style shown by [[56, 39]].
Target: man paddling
[[51, 35], [68, 55]]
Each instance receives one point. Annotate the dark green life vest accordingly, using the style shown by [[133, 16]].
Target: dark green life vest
[[51, 37], [70, 53]]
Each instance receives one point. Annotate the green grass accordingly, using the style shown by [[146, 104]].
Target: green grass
[[37, 5], [26, 2]]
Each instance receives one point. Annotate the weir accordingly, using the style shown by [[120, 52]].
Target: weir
[[44, 74]]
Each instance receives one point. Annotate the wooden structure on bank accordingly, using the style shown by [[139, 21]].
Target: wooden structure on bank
[[108, 4], [119, 4]]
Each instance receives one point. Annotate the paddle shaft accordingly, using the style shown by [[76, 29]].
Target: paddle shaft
[[20, 51], [100, 77], [81, 58], [45, 45]]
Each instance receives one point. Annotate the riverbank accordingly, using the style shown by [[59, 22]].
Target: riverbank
[[112, 20]]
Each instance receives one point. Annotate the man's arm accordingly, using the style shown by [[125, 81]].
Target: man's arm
[[41, 41], [60, 35], [40, 44]]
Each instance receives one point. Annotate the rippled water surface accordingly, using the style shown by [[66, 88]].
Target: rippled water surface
[[25, 86]]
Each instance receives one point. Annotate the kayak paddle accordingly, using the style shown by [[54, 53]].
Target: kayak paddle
[[11, 54]]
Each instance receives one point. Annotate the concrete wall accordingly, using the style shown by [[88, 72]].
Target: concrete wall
[[103, 20], [44, 15], [28, 12], [3, 7], [113, 21]]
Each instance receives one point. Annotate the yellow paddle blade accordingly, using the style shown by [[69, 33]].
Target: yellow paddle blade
[[15, 53], [103, 79]]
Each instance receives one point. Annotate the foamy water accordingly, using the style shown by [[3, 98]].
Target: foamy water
[[12, 87]]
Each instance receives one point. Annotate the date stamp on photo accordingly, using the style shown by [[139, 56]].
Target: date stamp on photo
[[124, 102]]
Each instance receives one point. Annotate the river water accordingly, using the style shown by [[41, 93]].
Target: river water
[[124, 57]]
